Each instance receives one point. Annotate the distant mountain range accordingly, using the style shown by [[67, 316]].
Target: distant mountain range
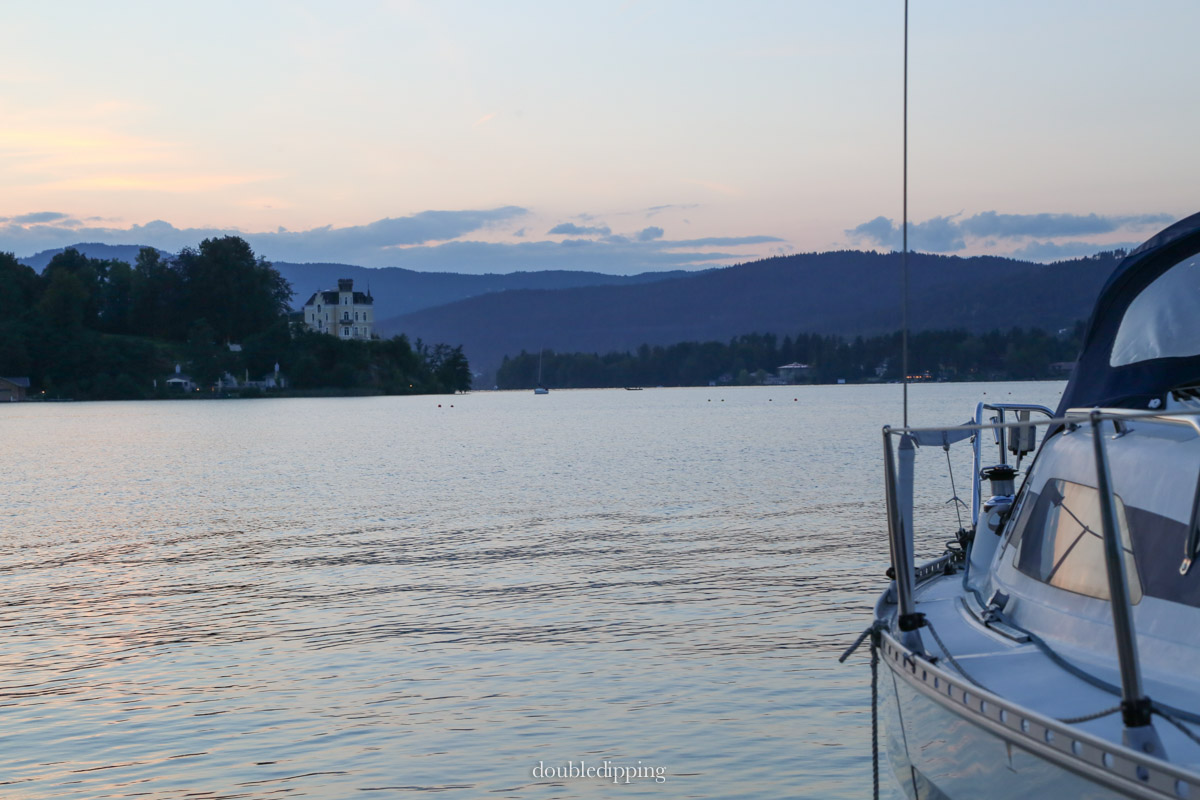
[[119, 252], [847, 293], [396, 291], [402, 291]]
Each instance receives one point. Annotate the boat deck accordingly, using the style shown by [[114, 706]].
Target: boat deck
[[1023, 674]]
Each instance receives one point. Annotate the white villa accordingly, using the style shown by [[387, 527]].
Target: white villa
[[345, 313]]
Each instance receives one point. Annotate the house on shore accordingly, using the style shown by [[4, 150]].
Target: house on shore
[[13, 389], [344, 313], [794, 372]]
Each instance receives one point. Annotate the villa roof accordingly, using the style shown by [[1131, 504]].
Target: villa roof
[[330, 298]]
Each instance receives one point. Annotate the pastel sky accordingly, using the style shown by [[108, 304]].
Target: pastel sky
[[612, 136]]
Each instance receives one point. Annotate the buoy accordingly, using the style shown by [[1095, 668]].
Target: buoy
[[439, 405]]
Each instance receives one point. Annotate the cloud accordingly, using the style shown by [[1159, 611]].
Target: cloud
[[616, 258], [880, 230], [1051, 251], [571, 229], [937, 235], [990, 223], [373, 244], [40, 216], [436, 241], [721, 241], [427, 226], [653, 210], [1018, 232]]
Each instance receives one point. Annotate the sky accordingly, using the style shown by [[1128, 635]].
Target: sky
[[618, 137]]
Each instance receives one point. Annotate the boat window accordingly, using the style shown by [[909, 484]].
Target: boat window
[[1061, 541], [1022, 509], [1161, 322]]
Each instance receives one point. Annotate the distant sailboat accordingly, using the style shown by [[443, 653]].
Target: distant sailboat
[[540, 389]]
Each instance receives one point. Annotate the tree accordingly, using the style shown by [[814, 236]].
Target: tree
[[72, 273], [156, 296], [116, 309], [67, 302], [204, 354], [237, 294], [450, 368]]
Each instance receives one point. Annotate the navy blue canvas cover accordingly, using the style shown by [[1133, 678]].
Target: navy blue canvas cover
[[1094, 381]]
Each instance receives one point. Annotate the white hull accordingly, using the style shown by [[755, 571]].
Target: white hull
[[942, 748]]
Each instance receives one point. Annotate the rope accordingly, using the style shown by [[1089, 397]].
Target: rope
[[1169, 713], [875, 712], [873, 633], [950, 658], [1182, 728], [1088, 717], [873, 628], [958, 503]]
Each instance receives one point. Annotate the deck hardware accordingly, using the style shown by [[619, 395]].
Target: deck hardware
[[997, 601], [1191, 547], [1022, 440], [899, 515], [1139, 730]]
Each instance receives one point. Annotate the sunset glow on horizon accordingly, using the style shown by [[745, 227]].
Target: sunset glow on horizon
[[670, 134]]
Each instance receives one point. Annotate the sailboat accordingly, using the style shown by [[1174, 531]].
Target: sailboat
[[540, 389], [1051, 650]]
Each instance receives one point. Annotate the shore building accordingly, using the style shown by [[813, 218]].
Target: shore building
[[344, 313]]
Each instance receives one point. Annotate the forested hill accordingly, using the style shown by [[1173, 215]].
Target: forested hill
[[396, 291], [401, 291], [848, 293]]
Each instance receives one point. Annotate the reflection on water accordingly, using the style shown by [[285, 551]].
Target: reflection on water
[[317, 598]]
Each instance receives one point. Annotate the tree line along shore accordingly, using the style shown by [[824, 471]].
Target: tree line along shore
[[97, 329], [88, 328], [756, 359]]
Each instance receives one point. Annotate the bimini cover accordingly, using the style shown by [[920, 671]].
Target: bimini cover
[[1144, 335]]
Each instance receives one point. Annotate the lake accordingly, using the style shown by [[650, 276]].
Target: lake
[[459, 595]]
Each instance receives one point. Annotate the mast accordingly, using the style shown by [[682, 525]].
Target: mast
[[904, 225]]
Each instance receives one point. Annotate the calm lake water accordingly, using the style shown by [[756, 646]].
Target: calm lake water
[[381, 596]]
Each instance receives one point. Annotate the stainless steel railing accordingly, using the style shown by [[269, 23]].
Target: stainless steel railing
[[898, 474]]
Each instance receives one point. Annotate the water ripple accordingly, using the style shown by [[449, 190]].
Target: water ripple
[[316, 598]]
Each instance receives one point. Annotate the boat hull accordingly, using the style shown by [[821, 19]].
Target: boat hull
[[941, 745]]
